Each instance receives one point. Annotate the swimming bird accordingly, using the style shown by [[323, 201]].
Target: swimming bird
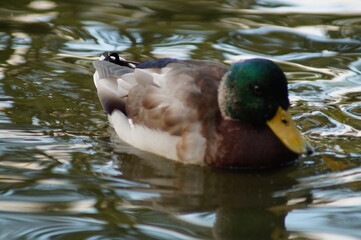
[[202, 112]]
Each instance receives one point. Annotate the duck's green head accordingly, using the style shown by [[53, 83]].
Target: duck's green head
[[255, 92]]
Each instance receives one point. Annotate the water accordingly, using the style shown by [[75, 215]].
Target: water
[[64, 175]]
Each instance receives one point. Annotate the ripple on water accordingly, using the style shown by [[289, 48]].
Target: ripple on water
[[350, 28], [320, 123], [333, 208], [309, 6], [42, 226], [58, 203], [353, 110]]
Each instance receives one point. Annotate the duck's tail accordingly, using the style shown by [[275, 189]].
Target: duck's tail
[[113, 80], [114, 58]]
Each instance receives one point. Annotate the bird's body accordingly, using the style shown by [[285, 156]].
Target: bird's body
[[185, 110]]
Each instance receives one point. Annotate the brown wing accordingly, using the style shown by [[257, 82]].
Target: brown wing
[[181, 93]]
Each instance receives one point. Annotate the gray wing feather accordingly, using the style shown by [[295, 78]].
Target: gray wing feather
[[107, 69]]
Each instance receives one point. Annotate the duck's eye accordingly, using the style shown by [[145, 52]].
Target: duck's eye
[[257, 90]]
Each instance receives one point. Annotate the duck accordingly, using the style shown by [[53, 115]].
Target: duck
[[202, 112]]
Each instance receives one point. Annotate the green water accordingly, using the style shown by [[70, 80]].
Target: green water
[[65, 175]]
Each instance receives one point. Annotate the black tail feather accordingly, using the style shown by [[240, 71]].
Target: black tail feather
[[114, 58]]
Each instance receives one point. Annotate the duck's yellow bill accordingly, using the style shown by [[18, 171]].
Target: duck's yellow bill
[[285, 129]]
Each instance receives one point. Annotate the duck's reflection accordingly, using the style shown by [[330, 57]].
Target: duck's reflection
[[243, 203], [248, 223]]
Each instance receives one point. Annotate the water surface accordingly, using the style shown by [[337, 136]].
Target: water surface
[[65, 175]]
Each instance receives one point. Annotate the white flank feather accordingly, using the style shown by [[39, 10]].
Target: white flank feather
[[146, 139]]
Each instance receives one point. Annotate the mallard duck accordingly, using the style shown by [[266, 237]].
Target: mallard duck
[[201, 112]]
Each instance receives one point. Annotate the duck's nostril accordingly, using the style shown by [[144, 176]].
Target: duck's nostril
[[309, 150], [284, 121]]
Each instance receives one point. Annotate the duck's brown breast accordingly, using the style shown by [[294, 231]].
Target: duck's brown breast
[[245, 146]]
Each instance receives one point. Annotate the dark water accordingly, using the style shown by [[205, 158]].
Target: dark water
[[64, 175]]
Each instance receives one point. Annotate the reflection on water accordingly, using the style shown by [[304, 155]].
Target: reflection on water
[[64, 175]]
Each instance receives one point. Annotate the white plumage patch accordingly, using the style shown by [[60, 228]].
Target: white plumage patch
[[146, 139]]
